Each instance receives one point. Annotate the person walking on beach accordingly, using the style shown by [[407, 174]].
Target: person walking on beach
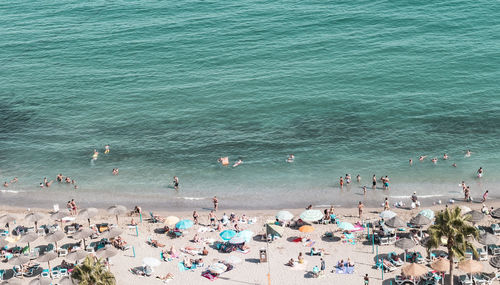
[[216, 203], [485, 196], [322, 266], [386, 204], [212, 217], [360, 209], [367, 280], [414, 200], [374, 181]]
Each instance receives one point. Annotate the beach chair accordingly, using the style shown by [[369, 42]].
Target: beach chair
[[493, 249], [16, 271], [495, 228], [90, 249], [468, 255], [483, 254], [62, 251], [465, 280], [479, 279], [55, 273], [45, 273], [398, 262], [71, 230], [388, 266], [384, 240], [392, 240], [63, 272], [400, 280]]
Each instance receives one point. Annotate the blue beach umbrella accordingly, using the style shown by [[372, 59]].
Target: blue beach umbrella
[[427, 213], [346, 226], [246, 234], [184, 224], [227, 234]]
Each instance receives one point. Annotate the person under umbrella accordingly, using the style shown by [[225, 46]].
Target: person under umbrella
[[59, 216], [19, 261], [107, 252], [405, 243], [470, 266], [441, 265], [7, 219]]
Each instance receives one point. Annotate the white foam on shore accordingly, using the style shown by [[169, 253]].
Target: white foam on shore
[[193, 198], [419, 196], [11, 191]]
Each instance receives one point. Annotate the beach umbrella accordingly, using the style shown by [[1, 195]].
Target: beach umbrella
[[171, 220], [470, 266], [311, 215], [7, 218], [475, 216], [217, 268], [464, 209], [414, 270], [4, 242], [77, 255], [112, 233], [34, 217], [47, 257], [427, 213], [151, 261], [184, 224], [107, 252], [395, 222], [274, 230], [88, 213], [441, 265], [60, 215], [117, 210], [246, 234], [387, 214], [227, 234], [346, 226], [306, 229], [405, 243], [55, 237], [495, 261], [19, 260], [83, 234], [237, 240], [27, 238], [284, 216], [420, 220], [233, 260], [487, 238], [495, 213]]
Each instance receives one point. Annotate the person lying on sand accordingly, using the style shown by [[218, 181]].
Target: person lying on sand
[[155, 243]]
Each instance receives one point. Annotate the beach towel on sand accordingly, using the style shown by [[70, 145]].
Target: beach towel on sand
[[209, 276], [345, 270], [184, 268]]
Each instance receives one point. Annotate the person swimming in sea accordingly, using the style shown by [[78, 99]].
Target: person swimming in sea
[[358, 178], [347, 178], [422, 157], [14, 180], [106, 149], [95, 155], [480, 172], [411, 162], [290, 158], [445, 156], [434, 160], [5, 184], [468, 153], [237, 163], [176, 182]]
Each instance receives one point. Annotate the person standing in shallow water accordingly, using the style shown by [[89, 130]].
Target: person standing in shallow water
[[374, 181], [341, 182], [216, 203]]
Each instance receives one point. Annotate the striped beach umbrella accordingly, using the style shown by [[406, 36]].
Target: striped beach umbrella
[[227, 234], [311, 215]]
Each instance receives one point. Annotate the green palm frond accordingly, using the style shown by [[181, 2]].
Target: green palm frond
[[92, 272]]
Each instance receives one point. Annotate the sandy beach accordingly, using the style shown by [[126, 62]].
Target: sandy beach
[[250, 270]]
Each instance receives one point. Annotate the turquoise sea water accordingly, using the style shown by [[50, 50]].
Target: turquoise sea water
[[348, 87]]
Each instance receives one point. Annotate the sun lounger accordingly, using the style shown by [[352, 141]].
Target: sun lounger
[[404, 280], [388, 266], [465, 280], [496, 229], [397, 262], [494, 249], [384, 241], [479, 279], [483, 255]]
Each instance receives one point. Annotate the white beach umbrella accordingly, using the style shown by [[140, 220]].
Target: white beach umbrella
[[284, 216], [311, 215]]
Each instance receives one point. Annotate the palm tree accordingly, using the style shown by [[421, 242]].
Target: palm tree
[[455, 228], [92, 272]]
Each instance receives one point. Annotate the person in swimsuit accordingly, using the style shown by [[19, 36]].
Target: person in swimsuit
[[212, 217], [434, 160], [364, 190], [290, 158], [216, 203], [386, 204], [360, 209], [176, 182], [386, 182], [468, 153], [480, 172], [341, 182], [454, 165], [5, 184], [59, 177], [106, 149], [422, 157], [237, 163], [358, 178], [95, 155], [445, 156], [14, 180], [374, 181], [485, 196], [411, 162], [347, 179], [195, 217]]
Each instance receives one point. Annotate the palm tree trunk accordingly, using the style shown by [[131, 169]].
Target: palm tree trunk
[[450, 256]]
